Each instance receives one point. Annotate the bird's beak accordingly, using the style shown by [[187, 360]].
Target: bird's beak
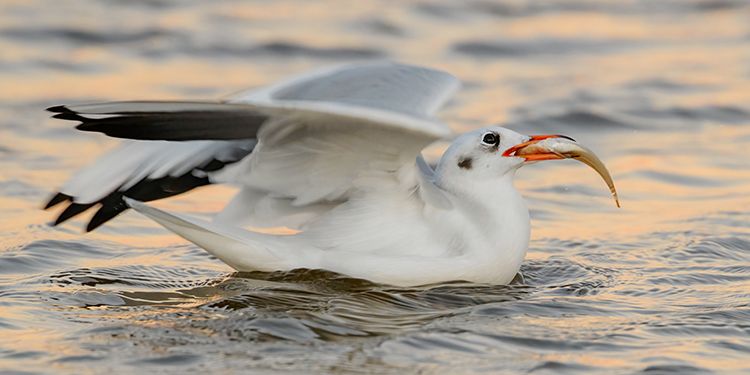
[[553, 146], [536, 153]]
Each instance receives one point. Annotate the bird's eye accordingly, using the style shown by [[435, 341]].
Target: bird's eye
[[491, 139]]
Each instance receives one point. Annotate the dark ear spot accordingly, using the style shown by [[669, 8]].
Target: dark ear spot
[[465, 162]]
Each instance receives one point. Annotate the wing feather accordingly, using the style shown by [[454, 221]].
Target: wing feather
[[144, 171], [161, 120], [316, 164], [407, 89], [322, 138]]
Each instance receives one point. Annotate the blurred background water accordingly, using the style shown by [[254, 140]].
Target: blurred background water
[[659, 89]]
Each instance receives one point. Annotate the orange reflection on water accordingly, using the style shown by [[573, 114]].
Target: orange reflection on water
[[667, 171]]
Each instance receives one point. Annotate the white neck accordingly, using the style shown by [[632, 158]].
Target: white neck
[[493, 220]]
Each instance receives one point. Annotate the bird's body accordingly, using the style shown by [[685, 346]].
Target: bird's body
[[334, 155]]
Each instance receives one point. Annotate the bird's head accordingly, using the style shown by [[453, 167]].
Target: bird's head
[[495, 153]]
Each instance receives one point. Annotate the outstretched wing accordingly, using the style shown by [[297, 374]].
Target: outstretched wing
[[347, 130], [165, 120], [320, 136], [144, 171], [389, 95]]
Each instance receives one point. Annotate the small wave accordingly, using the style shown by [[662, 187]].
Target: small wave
[[293, 49], [16, 188], [152, 4], [725, 315], [65, 66], [679, 115], [716, 248], [667, 85], [680, 179], [699, 278], [552, 344], [717, 5], [573, 189], [555, 367], [270, 49], [731, 219], [583, 120], [674, 369], [78, 359], [45, 254], [83, 36], [168, 360], [85, 299], [19, 355], [152, 277], [379, 26], [51, 65], [557, 270], [536, 47], [699, 325], [734, 346], [438, 10], [512, 9]]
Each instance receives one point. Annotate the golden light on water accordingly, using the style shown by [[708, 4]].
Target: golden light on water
[[659, 90]]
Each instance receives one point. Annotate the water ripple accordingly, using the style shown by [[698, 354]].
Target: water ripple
[[659, 89], [272, 49], [537, 47], [84, 36]]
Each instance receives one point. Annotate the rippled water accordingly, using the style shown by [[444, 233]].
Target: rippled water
[[660, 89]]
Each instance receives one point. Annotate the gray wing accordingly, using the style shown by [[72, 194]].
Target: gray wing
[[410, 90]]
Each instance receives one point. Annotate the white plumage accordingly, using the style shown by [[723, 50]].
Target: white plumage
[[336, 155]]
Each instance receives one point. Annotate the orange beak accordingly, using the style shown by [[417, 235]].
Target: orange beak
[[532, 150], [541, 154]]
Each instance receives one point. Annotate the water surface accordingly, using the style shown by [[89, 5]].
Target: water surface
[[660, 90]]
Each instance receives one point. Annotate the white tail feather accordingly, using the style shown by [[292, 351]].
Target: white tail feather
[[240, 249]]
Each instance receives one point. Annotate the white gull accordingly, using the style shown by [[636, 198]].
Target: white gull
[[336, 156]]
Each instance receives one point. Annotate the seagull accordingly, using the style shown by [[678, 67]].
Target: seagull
[[335, 157]]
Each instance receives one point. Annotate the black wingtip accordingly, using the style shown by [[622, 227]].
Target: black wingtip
[[88, 127], [96, 222], [59, 109], [107, 212], [57, 199], [71, 211], [72, 116], [92, 226]]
